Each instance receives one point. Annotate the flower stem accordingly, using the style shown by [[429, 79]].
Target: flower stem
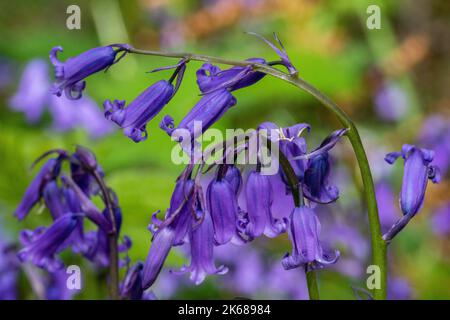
[[313, 288], [112, 239], [378, 244]]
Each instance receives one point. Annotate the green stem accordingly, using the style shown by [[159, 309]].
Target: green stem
[[378, 244], [313, 288], [112, 239]]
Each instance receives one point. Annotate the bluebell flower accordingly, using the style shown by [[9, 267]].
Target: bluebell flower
[[417, 171], [206, 112], [172, 231], [391, 103], [134, 118], [48, 172], [307, 251], [223, 207], [42, 246], [70, 75], [201, 241], [211, 77], [440, 222], [316, 185], [234, 177], [259, 198], [131, 286]]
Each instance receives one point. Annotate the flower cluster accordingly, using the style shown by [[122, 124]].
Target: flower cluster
[[69, 199], [237, 210]]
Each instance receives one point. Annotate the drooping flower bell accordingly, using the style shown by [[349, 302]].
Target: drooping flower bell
[[42, 245], [223, 207], [417, 171], [211, 77], [304, 232], [131, 287], [201, 240], [205, 113], [134, 118], [172, 231], [70, 75], [259, 198], [316, 186]]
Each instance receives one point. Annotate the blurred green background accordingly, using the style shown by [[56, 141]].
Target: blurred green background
[[328, 42]]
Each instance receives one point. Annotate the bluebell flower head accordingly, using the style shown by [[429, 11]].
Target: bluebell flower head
[[70, 74], [304, 232], [222, 205], [42, 246], [207, 111], [417, 171], [259, 198], [134, 118], [211, 77], [317, 187], [172, 231], [201, 240]]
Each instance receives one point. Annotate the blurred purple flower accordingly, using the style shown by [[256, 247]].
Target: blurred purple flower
[[33, 92], [391, 103], [435, 135], [441, 220], [9, 271], [33, 97], [70, 114], [399, 289]]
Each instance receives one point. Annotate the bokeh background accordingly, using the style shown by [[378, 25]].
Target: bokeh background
[[393, 82]]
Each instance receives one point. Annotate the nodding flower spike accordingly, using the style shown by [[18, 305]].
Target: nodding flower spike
[[417, 171], [134, 118], [259, 198], [70, 75], [304, 231], [280, 52]]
